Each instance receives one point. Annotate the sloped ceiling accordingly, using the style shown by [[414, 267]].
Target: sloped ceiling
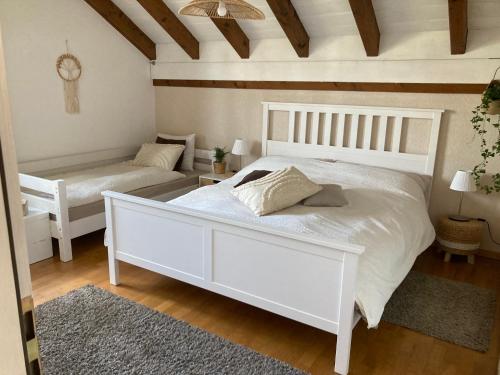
[[323, 18], [440, 41]]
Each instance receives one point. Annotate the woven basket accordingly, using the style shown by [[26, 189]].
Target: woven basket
[[465, 232], [237, 9], [494, 108], [220, 168]]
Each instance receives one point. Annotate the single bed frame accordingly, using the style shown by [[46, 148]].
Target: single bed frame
[[55, 200], [308, 280]]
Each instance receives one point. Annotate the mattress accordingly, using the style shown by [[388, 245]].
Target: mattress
[[191, 178], [85, 186], [386, 213]]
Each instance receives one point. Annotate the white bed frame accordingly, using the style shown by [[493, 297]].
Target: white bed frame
[[308, 280], [60, 227]]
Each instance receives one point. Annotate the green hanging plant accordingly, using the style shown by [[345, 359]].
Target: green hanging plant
[[486, 118]]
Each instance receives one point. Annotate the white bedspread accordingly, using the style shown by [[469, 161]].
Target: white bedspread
[[85, 186], [386, 213]]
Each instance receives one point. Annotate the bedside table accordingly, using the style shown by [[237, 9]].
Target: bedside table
[[38, 236], [213, 178], [459, 237]]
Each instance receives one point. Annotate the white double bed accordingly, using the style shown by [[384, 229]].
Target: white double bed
[[320, 266], [386, 213]]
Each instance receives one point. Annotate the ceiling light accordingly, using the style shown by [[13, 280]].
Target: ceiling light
[[231, 9]]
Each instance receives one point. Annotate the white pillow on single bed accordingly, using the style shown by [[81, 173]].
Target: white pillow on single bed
[[158, 155], [276, 191], [188, 158]]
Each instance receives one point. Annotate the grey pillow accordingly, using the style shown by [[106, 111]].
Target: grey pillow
[[331, 196]]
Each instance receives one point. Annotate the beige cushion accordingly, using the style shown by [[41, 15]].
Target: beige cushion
[[158, 155], [331, 196], [276, 191]]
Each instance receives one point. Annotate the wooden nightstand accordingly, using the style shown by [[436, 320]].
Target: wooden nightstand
[[459, 237], [214, 178]]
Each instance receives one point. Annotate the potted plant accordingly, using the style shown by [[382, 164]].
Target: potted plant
[[485, 120], [491, 98], [219, 163]]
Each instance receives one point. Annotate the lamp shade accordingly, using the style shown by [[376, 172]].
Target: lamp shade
[[229, 9], [240, 147], [463, 181]]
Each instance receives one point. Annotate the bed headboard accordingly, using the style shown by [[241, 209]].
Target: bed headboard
[[357, 134]]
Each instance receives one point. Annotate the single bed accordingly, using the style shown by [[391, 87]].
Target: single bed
[[72, 195], [311, 265]]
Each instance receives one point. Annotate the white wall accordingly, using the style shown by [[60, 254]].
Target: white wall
[[115, 90], [404, 57]]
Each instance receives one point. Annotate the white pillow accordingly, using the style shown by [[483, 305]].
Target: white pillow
[[158, 155], [188, 158], [276, 191]]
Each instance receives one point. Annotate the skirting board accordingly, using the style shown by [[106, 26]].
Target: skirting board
[[432, 88], [489, 254]]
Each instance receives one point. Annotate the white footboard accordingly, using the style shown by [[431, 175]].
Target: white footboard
[[305, 279], [55, 203], [50, 196]]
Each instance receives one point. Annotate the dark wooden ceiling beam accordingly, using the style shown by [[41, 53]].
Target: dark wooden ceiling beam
[[119, 20], [173, 26], [439, 88], [364, 14], [292, 26], [457, 10], [234, 35]]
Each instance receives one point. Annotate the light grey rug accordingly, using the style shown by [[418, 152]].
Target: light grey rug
[[92, 331], [452, 311]]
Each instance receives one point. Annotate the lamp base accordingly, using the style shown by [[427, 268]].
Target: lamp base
[[459, 218]]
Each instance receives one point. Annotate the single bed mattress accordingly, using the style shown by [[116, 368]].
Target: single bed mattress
[[190, 179], [386, 213], [85, 186]]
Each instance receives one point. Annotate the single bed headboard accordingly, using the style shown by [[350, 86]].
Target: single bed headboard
[[357, 134]]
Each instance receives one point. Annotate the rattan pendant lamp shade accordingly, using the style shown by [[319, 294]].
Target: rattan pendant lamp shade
[[232, 9]]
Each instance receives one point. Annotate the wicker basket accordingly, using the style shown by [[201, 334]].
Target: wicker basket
[[464, 232], [494, 108], [219, 168]]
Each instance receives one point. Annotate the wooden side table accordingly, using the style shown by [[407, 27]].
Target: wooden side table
[[213, 178], [459, 237]]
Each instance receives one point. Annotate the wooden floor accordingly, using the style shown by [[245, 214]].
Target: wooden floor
[[387, 350]]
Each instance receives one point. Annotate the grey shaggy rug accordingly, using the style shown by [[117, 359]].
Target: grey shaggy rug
[[452, 311], [92, 331]]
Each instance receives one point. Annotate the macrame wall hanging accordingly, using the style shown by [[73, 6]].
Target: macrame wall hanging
[[70, 70]]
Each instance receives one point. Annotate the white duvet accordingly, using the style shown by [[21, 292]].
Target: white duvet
[[386, 213], [85, 186]]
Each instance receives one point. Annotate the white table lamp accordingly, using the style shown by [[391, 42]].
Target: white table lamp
[[240, 148], [462, 182]]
